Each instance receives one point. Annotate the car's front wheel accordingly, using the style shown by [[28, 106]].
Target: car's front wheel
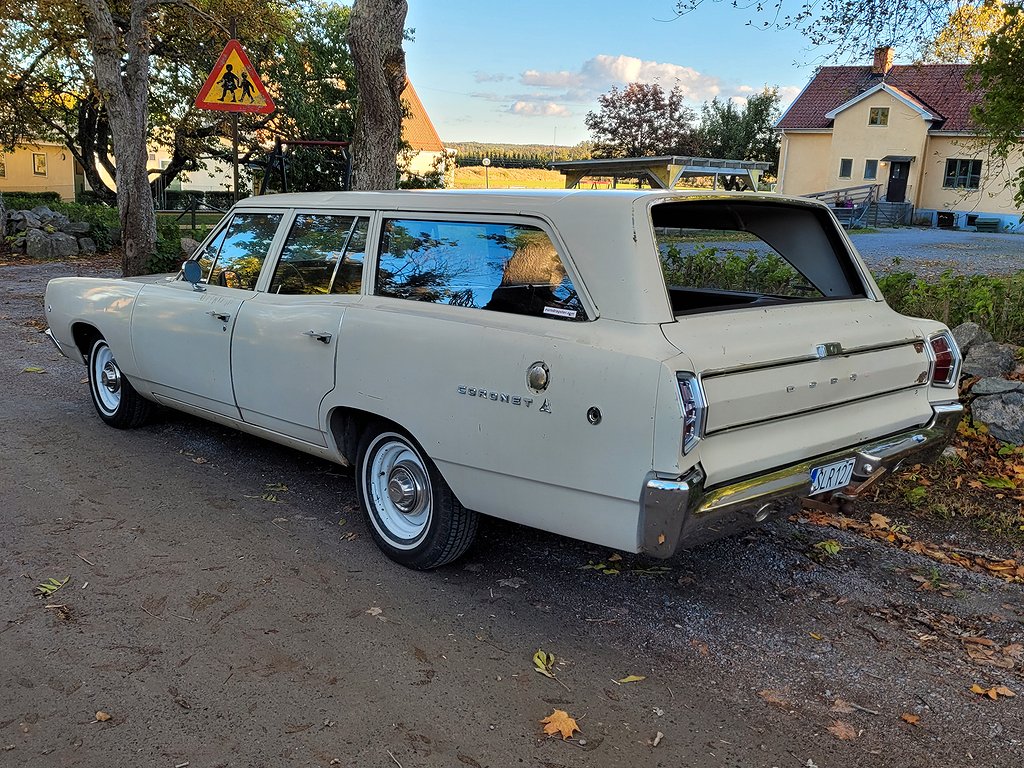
[[116, 400], [413, 515]]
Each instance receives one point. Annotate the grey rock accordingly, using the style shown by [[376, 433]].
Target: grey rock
[[22, 221], [990, 359], [996, 386], [49, 245], [64, 244], [968, 335], [38, 245], [1004, 416], [41, 210], [76, 227], [86, 245], [55, 221], [188, 247]]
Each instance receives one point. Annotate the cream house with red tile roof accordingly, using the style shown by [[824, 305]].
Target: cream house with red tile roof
[[906, 128]]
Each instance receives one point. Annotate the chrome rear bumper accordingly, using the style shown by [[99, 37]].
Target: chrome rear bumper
[[680, 513]]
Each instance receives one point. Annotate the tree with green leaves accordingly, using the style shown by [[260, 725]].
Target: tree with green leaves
[[1000, 75], [641, 120], [741, 132]]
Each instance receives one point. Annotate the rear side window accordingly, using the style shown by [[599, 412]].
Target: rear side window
[[501, 267], [244, 247], [322, 255]]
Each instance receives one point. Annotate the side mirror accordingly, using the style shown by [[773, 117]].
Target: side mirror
[[193, 274]]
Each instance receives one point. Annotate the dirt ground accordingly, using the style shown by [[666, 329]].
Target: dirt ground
[[226, 607]]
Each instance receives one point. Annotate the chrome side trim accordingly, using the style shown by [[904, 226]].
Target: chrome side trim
[[680, 513], [51, 337], [808, 358]]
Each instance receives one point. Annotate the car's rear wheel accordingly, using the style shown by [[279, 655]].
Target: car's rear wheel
[[116, 400], [413, 515]]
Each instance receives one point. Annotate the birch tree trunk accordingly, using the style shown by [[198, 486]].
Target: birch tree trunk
[[121, 66], [375, 32]]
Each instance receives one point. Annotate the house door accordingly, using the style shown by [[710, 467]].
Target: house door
[[897, 189]]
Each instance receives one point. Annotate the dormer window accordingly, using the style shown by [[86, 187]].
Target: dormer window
[[878, 116]]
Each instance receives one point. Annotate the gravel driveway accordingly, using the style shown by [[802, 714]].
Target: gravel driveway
[[933, 251], [227, 608]]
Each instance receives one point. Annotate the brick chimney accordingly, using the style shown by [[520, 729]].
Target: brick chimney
[[883, 60]]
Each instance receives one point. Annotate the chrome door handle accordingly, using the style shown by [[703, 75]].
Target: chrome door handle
[[319, 336], [222, 316]]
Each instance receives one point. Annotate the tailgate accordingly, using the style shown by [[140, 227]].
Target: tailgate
[[768, 363]]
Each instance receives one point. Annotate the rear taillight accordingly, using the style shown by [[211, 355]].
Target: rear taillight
[[693, 404], [945, 360]]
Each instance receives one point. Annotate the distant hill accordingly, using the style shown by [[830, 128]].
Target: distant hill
[[516, 155]]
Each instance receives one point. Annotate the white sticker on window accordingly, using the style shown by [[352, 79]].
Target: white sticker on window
[[559, 312]]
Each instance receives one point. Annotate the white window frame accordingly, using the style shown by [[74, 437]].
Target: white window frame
[[883, 113], [849, 173]]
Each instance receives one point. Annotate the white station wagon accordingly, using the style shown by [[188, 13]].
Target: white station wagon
[[640, 370]]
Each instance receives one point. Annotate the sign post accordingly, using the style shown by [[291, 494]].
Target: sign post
[[233, 86]]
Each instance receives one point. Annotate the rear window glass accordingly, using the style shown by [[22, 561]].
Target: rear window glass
[[501, 267], [727, 253]]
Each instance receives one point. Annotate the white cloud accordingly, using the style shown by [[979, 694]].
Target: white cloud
[[596, 75], [539, 109]]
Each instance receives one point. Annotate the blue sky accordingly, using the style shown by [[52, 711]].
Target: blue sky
[[526, 71]]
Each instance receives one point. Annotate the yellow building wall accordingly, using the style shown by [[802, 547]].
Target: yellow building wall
[[995, 194], [803, 163], [853, 138], [21, 171]]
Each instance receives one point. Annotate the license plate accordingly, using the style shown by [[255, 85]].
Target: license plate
[[831, 476]]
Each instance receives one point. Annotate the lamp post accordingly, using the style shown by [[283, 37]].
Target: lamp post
[[486, 163]]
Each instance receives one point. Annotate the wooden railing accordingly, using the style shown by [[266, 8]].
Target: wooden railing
[[849, 204]]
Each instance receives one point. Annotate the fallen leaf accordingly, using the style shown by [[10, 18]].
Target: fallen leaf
[[544, 663], [842, 707], [816, 636], [879, 521], [774, 697], [614, 557], [102, 716], [630, 679], [199, 460], [909, 718], [515, 582], [842, 730], [993, 693], [375, 611], [50, 586], [33, 369], [276, 487], [559, 722]]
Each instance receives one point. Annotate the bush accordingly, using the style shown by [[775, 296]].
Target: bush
[[168, 256], [22, 201], [705, 266], [996, 303]]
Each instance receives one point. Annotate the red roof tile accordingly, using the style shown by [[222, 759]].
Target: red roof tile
[[940, 88], [417, 129]]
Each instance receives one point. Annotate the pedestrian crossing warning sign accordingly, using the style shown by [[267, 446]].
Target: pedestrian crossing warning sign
[[233, 85]]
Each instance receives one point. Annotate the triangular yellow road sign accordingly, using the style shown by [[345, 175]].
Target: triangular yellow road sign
[[233, 85]]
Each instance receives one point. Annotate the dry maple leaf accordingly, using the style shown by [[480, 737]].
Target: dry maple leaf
[[559, 722], [842, 707], [842, 730], [102, 716], [909, 718]]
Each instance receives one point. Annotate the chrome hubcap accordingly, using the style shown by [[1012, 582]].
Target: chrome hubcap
[[404, 489], [110, 377]]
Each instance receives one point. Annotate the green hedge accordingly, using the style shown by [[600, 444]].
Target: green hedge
[[995, 302], [20, 201]]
